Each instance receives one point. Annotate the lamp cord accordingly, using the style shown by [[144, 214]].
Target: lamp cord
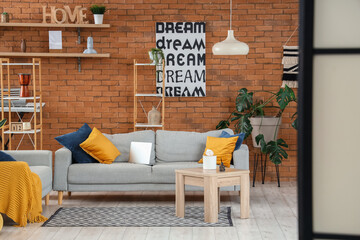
[[230, 13]]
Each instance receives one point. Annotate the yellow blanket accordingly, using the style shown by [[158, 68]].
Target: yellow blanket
[[20, 193]]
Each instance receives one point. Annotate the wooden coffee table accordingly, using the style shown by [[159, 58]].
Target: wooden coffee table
[[211, 181]]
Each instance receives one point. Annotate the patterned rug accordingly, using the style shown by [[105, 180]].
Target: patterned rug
[[134, 217]]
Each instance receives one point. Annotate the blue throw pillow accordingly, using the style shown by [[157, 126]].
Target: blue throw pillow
[[238, 142], [72, 142], [4, 157]]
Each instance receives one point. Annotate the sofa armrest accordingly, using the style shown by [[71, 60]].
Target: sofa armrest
[[63, 160], [33, 157], [241, 157]]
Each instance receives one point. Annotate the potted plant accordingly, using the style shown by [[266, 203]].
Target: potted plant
[[156, 55], [98, 12], [4, 17], [249, 117]]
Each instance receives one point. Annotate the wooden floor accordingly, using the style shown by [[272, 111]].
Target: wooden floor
[[273, 216]]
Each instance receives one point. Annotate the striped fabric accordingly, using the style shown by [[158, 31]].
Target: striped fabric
[[291, 66]]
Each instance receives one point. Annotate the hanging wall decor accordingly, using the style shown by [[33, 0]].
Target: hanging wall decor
[[183, 45], [291, 66]]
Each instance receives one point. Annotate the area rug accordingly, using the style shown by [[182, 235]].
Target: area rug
[[134, 217]]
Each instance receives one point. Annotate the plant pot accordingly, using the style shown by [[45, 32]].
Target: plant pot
[[266, 126], [159, 57], [4, 18], [98, 18]]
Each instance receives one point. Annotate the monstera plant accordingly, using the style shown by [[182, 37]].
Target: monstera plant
[[247, 108]]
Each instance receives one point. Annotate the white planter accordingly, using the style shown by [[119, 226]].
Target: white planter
[[265, 126], [152, 58], [98, 18]]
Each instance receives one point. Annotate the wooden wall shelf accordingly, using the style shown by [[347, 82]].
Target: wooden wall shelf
[[50, 55], [54, 25], [78, 55]]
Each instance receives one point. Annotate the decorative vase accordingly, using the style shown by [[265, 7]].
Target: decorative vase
[[24, 80], [266, 126], [90, 46], [154, 117], [98, 18], [4, 18], [23, 45]]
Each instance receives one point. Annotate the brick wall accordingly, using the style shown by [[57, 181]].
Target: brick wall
[[102, 93]]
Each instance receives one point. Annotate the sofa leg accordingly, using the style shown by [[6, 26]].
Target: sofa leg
[[47, 198], [60, 197], [69, 194]]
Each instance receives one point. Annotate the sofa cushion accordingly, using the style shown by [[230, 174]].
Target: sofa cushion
[[115, 173], [177, 146], [45, 175], [164, 172], [238, 142], [99, 147], [4, 157], [72, 142], [122, 142], [222, 148]]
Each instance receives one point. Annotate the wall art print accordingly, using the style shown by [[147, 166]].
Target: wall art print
[[183, 44]]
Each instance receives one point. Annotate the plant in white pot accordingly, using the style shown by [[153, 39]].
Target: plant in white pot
[[249, 118], [156, 55], [98, 12]]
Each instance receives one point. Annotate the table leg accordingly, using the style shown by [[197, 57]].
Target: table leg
[[180, 195], [244, 196], [211, 199], [218, 199]]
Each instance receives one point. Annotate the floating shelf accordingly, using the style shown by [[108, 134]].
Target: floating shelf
[[69, 25], [78, 55], [148, 95], [145, 125]]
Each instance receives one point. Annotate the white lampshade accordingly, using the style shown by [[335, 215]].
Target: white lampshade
[[230, 46]]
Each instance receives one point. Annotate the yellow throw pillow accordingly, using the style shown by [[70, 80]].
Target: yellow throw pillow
[[223, 149], [99, 147]]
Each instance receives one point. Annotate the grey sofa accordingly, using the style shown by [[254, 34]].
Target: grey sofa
[[171, 150], [40, 162]]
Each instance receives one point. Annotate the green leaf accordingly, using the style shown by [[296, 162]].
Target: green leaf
[[2, 122], [285, 96], [276, 151], [294, 124], [261, 139], [237, 116], [244, 100], [223, 124], [244, 125]]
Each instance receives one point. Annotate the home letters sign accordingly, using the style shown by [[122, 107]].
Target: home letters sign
[[78, 15], [183, 44]]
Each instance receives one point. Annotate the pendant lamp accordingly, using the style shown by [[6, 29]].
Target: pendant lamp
[[230, 46]]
